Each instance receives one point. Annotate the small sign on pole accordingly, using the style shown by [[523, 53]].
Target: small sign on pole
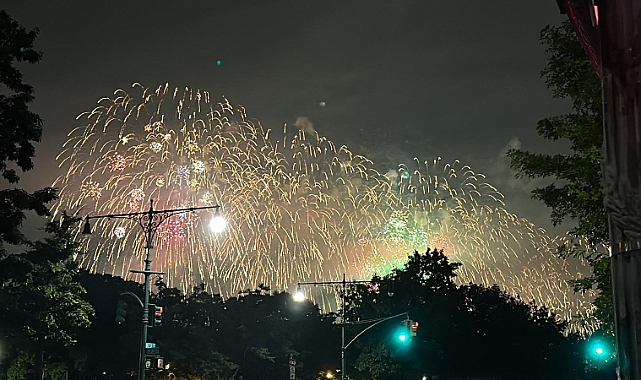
[[292, 368]]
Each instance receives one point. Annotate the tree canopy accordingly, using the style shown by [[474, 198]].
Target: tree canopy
[[466, 331], [41, 304], [19, 130], [576, 192]]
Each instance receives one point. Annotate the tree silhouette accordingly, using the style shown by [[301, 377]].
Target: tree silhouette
[[19, 129], [464, 331]]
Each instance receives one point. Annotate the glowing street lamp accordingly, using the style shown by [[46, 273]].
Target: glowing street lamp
[[299, 296], [217, 224]]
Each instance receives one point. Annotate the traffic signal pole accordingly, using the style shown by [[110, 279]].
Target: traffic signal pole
[[142, 367], [373, 322], [343, 360]]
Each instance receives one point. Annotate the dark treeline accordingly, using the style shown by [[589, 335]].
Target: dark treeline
[[466, 331]]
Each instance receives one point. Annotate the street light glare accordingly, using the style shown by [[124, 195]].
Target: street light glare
[[217, 224], [299, 296], [599, 350]]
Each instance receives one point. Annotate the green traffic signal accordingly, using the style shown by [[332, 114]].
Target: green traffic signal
[[405, 334], [402, 336], [598, 350]]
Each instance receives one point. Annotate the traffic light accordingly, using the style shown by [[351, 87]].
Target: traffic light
[[121, 312], [413, 328], [155, 362], [598, 350], [155, 315], [403, 334], [407, 332]]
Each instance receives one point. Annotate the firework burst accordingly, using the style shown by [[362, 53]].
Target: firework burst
[[452, 208], [299, 208]]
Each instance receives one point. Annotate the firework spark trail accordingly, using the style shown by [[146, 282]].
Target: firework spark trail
[[453, 209], [299, 207]]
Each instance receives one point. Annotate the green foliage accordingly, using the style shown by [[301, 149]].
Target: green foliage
[[207, 365], [431, 271], [18, 126], [41, 304], [38, 291], [39, 300], [256, 330], [20, 367], [55, 371], [601, 280], [17, 45], [13, 204], [465, 331], [569, 73], [19, 130], [375, 359], [576, 192]]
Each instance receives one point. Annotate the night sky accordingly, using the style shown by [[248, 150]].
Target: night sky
[[391, 79]]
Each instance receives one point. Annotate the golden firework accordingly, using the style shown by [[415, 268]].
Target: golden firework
[[299, 208]]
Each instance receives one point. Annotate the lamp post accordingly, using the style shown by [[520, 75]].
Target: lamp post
[[299, 296], [149, 221]]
